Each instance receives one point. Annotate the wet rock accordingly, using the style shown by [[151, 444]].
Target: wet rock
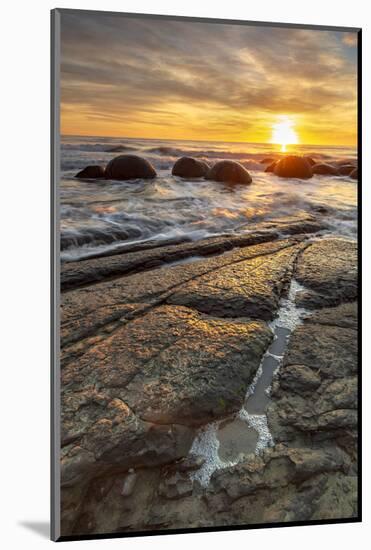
[[276, 468], [328, 268], [325, 169], [91, 172], [271, 166], [321, 209], [330, 350], [229, 171], [177, 348], [188, 167], [251, 288], [315, 394], [293, 167], [78, 273], [344, 315], [126, 167], [346, 169], [190, 462], [168, 366], [114, 437], [354, 174], [310, 160], [104, 307], [74, 274], [338, 498], [284, 484], [300, 378], [176, 486]]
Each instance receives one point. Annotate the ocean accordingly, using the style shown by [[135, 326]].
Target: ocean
[[101, 216]]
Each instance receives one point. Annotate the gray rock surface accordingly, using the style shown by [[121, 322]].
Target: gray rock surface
[[149, 357], [79, 273], [328, 270]]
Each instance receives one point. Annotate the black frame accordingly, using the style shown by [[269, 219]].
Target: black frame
[[55, 279]]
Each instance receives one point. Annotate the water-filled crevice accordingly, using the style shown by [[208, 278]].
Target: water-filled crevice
[[226, 442]]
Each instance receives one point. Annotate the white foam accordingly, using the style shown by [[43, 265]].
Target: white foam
[[289, 316], [206, 444], [259, 423]]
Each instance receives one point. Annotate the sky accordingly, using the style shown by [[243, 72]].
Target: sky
[[133, 77]]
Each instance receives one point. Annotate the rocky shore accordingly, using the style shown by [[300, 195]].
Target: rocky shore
[[158, 343]]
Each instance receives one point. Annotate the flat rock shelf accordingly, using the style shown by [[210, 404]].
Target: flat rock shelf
[[211, 383]]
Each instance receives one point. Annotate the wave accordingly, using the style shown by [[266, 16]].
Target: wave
[[97, 147]]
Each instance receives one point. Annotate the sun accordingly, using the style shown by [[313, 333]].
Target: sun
[[283, 132]]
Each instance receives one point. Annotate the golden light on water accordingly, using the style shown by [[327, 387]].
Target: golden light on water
[[283, 132]]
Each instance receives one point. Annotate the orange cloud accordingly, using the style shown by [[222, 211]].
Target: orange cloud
[[130, 77]]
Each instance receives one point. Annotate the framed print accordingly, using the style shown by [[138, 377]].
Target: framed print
[[206, 193]]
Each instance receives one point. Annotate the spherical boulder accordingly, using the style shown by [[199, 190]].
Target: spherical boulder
[[229, 171], [189, 167], [354, 174], [293, 166], [346, 169], [91, 172], [271, 166], [310, 160], [324, 169], [127, 167]]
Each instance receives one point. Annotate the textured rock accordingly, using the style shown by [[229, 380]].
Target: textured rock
[[91, 172], [316, 392], [271, 166], [346, 169], [149, 357], [249, 289], [276, 468], [90, 314], [328, 270], [74, 274], [172, 367], [189, 167], [284, 484], [324, 169], [293, 167], [229, 171], [126, 167], [354, 174]]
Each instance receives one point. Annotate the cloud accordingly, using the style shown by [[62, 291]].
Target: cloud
[[350, 39], [132, 74]]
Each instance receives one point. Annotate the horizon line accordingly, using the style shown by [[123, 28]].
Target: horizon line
[[355, 145]]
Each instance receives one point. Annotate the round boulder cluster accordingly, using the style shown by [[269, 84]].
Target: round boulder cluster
[[324, 169]]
